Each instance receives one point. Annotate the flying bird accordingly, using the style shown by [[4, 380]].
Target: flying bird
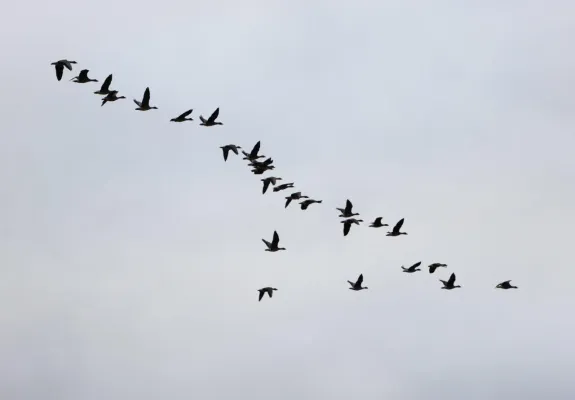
[[505, 285], [396, 229], [253, 155], [434, 266], [450, 284], [283, 186], [182, 117], [212, 120], [105, 88], [112, 96], [144, 105], [412, 269], [270, 179], [377, 223], [347, 224], [357, 284], [59, 66], [346, 212], [83, 77], [306, 203], [294, 196], [226, 149], [268, 290], [273, 246]]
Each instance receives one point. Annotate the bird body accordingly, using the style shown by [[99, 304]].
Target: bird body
[[268, 290], [347, 211], [273, 246], [396, 231], [357, 284], [306, 203], [83, 77], [283, 186], [144, 105], [450, 284], [59, 67], [377, 223], [412, 269], [505, 285], [182, 117], [112, 96], [212, 120]]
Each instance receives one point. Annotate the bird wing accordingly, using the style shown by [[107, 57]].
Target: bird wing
[[67, 64], [106, 84], [451, 279], [359, 280], [398, 226], [234, 149], [203, 119], [505, 282], [270, 292], [432, 268], [266, 185], [348, 207], [214, 115], [146, 98], [83, 74], [288, 200], [346, 228], [351, 283], [417, 264], [226, 151], [137, 103], [261, 294], [59, 71], [267, 243], [377, 220], [276, 239], [255, 150], [184, 115]]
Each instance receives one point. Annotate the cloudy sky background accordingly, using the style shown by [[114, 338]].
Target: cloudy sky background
[[131, 254]]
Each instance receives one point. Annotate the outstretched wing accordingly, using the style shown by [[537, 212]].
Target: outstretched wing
[[432, 268], [146, 98], [261, 294], [59, 71], [398, 226], [288, 200], [270, 292], [266, 185], [451, 280], [68, 64], [226, 150], [234, 149], [106, 85], [377, 220], [359, 280], [346, 228], [184, 115], [137, 103], [214, 115], [348, 207], [83, 74], [417, 264], [276, 239], [255, 150]]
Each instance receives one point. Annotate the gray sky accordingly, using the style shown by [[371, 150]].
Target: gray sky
[[131, 254]]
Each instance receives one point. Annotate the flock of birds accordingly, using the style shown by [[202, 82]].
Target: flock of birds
[[259, 168]]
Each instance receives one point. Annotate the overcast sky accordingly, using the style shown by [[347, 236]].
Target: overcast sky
[[131, 254]]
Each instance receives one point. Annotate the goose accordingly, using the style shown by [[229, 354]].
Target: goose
[[59, 66], [377, 223], [268, 290], [347, 224], [505, 285], [105, 88], [253, 155], [270, 179], [283, 186], [226, 149], [450, 284], [346, 212], [182, 117], [306, 203], [112, 96], [261, 170], [83, 77], [273, 246], [261, 164], [357, 284], [294, 196], [412, 269], [144, 105], [434, 266], [396, 229], [212, 120]]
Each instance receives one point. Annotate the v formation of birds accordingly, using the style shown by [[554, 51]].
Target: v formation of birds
[[259, 168]]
